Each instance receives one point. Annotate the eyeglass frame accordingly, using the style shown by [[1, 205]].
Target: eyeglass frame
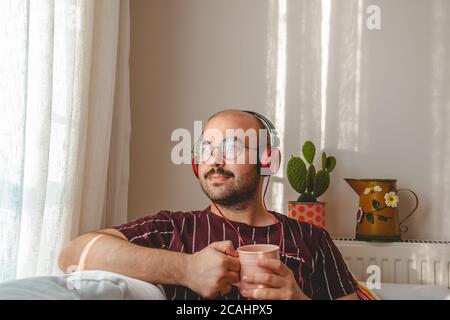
[[196, 151]]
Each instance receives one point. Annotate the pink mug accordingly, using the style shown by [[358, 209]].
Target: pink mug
[[248, 258]]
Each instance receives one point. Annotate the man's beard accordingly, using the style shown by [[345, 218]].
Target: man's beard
[[241, 191]]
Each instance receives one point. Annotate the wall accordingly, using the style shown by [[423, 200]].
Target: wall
[[376, 99]]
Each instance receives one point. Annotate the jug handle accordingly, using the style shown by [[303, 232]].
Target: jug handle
[[405, 228]]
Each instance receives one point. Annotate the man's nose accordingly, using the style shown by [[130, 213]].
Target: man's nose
[[217, 156]]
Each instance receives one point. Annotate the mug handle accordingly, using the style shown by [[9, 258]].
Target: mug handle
[[405, 228]]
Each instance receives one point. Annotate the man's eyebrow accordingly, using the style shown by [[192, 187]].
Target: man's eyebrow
[[204, 139]]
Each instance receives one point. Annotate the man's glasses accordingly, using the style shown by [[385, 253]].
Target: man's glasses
[[230, 149]]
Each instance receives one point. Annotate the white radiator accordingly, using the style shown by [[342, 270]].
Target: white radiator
[[408, 261]]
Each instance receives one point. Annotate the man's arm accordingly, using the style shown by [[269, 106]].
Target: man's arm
[[208, 272], [109, 250]]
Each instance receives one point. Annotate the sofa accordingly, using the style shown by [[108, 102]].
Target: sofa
[[96, 285]]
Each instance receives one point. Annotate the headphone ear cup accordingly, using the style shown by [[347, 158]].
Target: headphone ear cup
[[270, 161], [275, 160], [194, 167]]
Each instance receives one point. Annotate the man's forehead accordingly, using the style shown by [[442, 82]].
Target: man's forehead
[[237, 120], [229, 130], [234, 123], [248, 136]]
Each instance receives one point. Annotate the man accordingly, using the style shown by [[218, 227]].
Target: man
[[192, 254]]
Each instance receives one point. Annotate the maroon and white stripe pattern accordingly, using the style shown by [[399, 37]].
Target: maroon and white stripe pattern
[[324, 272]]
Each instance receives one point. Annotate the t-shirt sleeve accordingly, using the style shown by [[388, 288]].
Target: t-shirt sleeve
[[155, 231], [333, 279]]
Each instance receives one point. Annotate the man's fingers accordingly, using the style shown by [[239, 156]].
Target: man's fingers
[[225, 247], [263, 294], [231, 252], [233, 264], [232, 277], [268, 279], [226, 288], [221, 245], [275, 266]]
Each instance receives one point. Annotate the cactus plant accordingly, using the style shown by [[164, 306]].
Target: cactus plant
[[308, 182]]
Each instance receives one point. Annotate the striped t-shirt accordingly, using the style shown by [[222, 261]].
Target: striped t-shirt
[[324, 272]]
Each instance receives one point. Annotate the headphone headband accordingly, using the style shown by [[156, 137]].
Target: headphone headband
[[273, 133]]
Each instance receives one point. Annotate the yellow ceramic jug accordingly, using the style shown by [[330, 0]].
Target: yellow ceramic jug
[[377, 216]]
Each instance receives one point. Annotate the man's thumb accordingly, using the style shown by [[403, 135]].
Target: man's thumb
[[225, 247]]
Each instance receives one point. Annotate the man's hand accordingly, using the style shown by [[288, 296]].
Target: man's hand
[[279, 285], [211, 271]]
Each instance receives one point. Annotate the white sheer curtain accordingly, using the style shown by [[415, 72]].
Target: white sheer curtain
[[378, 100], [64, 126]]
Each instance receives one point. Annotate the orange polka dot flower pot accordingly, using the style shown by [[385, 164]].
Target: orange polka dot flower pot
[[309, 212], [310, 184]]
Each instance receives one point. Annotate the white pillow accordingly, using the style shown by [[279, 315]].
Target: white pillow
[[395, 291], [86, 285]]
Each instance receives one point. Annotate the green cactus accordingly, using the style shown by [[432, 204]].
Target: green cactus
[[309, 151], [310, 176], [331, 164], [324, 160], [321, 183], [306, 181], [296, 169], [306, 197]]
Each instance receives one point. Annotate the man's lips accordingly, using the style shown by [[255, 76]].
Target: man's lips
[[218, 177]]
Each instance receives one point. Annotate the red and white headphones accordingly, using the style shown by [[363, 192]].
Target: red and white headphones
[[269, 159]]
